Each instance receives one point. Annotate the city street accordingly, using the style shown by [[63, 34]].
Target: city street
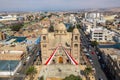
[[98, 71], [29, 63]]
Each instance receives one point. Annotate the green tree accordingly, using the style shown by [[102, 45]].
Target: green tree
[[31, 71], [72, 77], [94, 43], [87, 71], [78, 26], [16, 27]]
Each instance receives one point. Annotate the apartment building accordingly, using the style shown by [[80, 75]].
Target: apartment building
[[101, 34], [114, 65], [111, 57]]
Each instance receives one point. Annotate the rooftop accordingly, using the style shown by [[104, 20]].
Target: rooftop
[[110, 51], [13, 47], [7, 65]]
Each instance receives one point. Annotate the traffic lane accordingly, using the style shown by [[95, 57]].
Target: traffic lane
[[96, 64], [30, 62], [85, 43]]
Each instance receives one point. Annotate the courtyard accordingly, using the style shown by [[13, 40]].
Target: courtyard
[[59, 71]]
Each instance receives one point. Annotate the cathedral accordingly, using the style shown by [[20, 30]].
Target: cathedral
[[60, 46]]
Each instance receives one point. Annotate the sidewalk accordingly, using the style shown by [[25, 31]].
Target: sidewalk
[[38, 72]]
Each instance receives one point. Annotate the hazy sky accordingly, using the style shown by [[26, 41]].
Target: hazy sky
[[55, 4]]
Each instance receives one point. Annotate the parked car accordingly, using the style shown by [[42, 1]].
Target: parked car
[[100, 79], [27, 59]]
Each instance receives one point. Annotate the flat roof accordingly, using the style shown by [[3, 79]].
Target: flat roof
[[111, 51], [8, 65], [17, 39], [14, 47]]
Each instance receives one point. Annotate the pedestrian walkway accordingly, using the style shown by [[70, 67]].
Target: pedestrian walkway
[[59, 71], [38, 71]]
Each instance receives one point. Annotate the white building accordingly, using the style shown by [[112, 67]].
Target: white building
[[8, 18], [101, 34], [72, 19], [90, 17]]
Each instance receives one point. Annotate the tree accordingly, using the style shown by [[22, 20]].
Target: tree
[[31, 71], [94, 43], [78, 26], [16, 27], [87, 71], [72, 77]]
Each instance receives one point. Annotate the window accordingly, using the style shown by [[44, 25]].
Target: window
[[95, 38], [75, 45], [100, 38], [44, 37], [76, 38]]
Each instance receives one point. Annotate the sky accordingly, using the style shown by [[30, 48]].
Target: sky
[[36, 5]]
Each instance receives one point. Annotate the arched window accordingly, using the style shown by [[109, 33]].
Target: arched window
[[76, 37], [44, 37], [75, 45]]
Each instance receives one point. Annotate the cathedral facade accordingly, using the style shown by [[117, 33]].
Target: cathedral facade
[[60, 46]]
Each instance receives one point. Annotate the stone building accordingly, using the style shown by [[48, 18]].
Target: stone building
[[60, 46]]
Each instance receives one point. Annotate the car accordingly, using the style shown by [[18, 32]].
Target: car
[[90, 50], [100, 79], [27, 59], [97, 52], [90, 60], [99, 57], [84, 50], [24, 63], [89, 56]]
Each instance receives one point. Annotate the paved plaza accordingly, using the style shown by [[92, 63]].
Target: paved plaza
[[59, 71]]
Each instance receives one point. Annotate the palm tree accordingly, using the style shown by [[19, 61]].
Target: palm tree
[[31, 71], [87, 71], [94, 43]]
